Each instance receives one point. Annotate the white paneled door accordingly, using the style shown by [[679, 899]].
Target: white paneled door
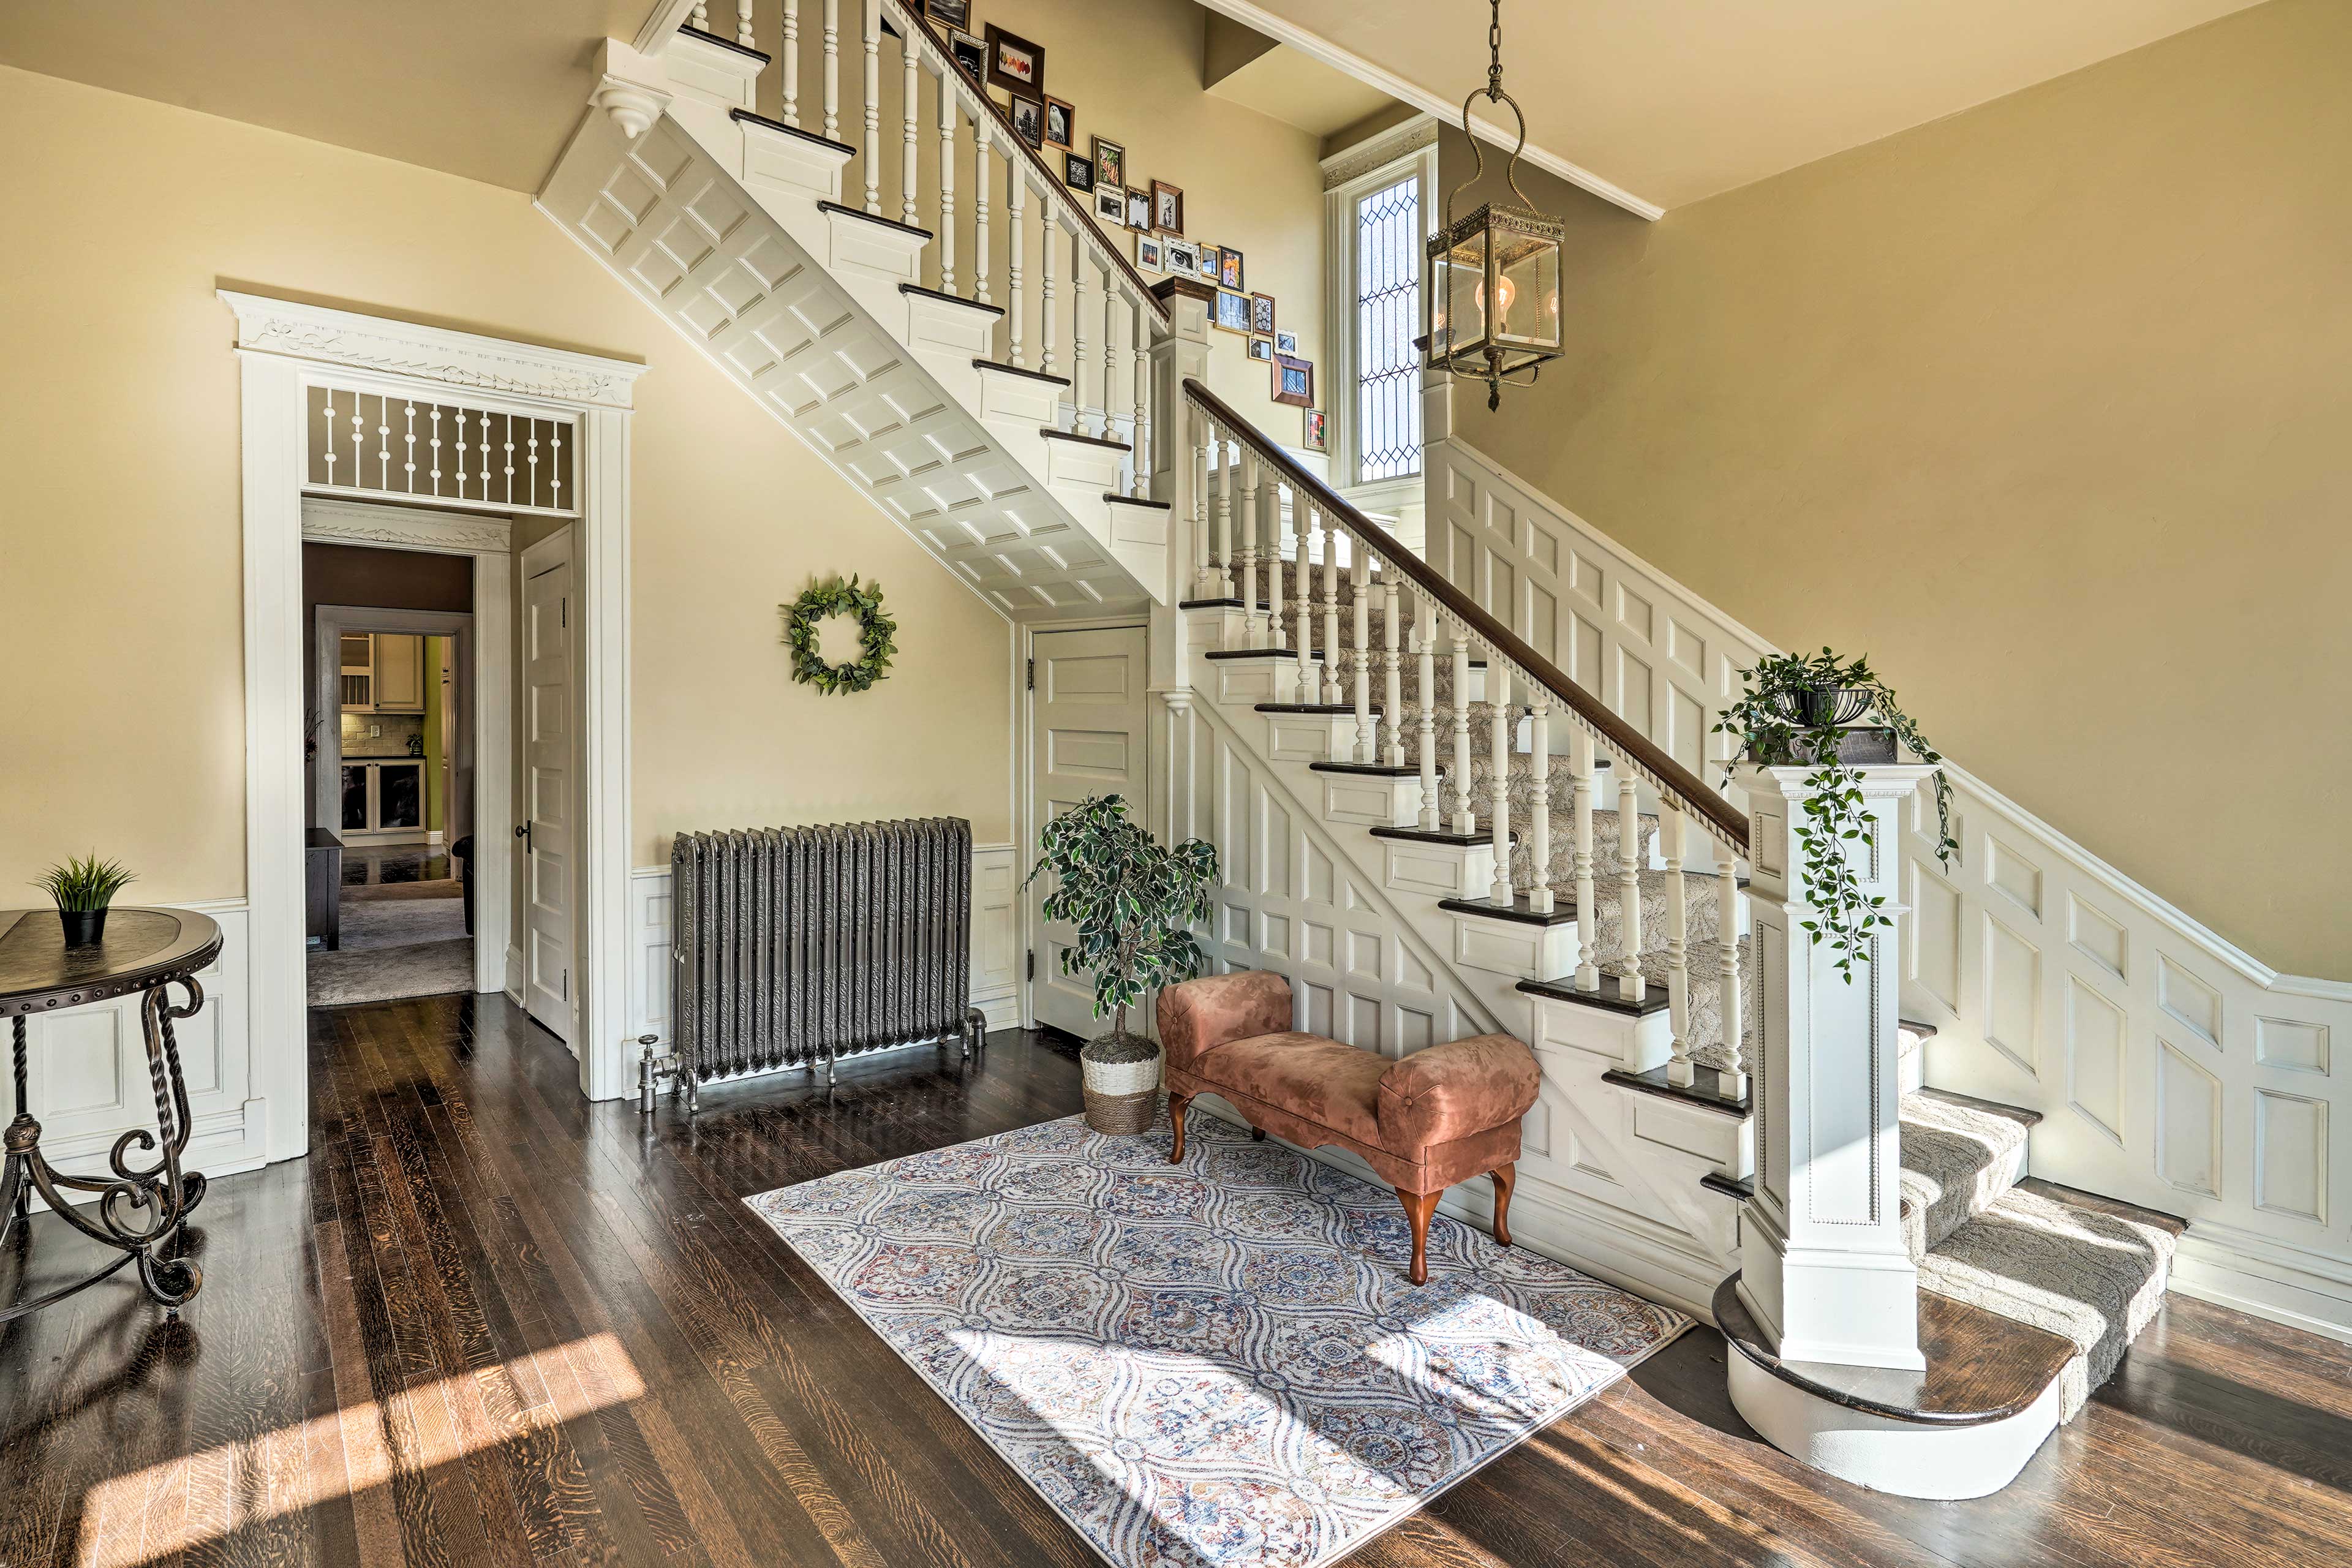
[[550, 785], [1087, 739]]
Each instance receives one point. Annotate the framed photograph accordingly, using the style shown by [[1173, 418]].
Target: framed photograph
[[1015, 64], [1182, 257], [1229, 269], [1058, 118], [1148, 258], [1208, 263], [1262, 315], [1110, 204], [1286, 343], [950, 12], [1029, 119], [1262, 348], [970, 54], [1167, 208], [1077, 172], [1232, 311], [1138, 210], [1293, 381], [1110, 162], [1317, 438]]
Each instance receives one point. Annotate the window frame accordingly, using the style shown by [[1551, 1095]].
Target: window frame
[[1408, 151]]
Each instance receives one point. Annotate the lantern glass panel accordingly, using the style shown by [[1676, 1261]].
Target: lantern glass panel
[[1527, 269], [1458, 296]]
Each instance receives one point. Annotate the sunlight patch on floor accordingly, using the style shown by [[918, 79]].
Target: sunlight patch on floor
[[182, 1503]]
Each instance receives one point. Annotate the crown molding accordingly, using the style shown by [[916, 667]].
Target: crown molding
[[1386, 147], [334, 521], [323, 335]]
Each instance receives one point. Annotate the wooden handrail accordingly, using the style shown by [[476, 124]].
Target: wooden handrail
[[1055, 191], [1683, 787]]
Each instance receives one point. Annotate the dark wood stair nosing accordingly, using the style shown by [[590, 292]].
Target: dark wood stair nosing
[[1053, 435], [1740, 1188], [1700, 1093], [999, 366], [1333, 710], [1516, 911], [1366, 770], [1289, 655], [752, 117], [864, 216], [1435, 836], [1654, 999], [1208, 604], [2004, 1364], [1139, 501], [730, 45], [946, 298]]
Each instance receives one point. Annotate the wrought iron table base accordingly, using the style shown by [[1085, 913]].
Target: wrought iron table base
[[140, 1208]]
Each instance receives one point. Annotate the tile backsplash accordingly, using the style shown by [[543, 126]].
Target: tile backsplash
[[383, 734]]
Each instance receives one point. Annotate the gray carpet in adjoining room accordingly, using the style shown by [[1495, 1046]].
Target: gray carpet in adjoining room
[[394, 947]]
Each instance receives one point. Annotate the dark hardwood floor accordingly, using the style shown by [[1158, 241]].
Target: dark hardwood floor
[[485, 1323]]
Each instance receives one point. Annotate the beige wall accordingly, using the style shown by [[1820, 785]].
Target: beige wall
[[2046, 407], [119, 516]]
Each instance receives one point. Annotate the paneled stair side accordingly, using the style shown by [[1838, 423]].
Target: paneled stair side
[[1617, 1190], [719, 222]]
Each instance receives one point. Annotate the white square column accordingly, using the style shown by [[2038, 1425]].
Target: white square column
[[1823, 1266]]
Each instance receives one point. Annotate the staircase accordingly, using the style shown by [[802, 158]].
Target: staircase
[[1413, 801]]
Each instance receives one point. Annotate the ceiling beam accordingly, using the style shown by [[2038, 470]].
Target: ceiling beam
[[1316, 47]]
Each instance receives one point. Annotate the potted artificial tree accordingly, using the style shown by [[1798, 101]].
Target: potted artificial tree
[[82, 890], [1802, 710], [1134, 902]]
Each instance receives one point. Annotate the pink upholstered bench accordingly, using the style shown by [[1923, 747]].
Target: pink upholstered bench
[[1435, 1118]]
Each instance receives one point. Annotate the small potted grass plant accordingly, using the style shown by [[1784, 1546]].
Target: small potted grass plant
[[82, 890], [1134, 902]]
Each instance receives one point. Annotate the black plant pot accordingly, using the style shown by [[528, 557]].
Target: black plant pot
[[84, 927], [1815, 706]]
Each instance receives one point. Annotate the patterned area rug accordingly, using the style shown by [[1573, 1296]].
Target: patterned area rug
[[1212, 1363]]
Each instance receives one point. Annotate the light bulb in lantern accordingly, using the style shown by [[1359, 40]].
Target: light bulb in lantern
[[1505, 292]]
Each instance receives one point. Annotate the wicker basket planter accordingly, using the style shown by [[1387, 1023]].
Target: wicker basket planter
[[1121, 1073]]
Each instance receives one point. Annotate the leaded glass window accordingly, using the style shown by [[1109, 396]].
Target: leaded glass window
[[1388, 305]]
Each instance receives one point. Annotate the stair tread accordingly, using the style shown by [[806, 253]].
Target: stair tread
[[691, 31], [1982, 1365], [1021, 371], [1704, 1091], [1139, 501], [1565, 989], [1517, 911], [750, 117], [891, 223], [1433, 836], [1053, 435], [1290, 654], [940, 295], [1740, 1188], [1208, 604], [1373, 770], [1959, 1156], [2089, 1276], [2114, 1207], [1336, 709]]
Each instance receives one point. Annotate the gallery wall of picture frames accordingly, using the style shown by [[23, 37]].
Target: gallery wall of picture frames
[[1011, 69]]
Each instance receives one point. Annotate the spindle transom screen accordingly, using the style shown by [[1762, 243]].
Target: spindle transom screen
[[385, 445]]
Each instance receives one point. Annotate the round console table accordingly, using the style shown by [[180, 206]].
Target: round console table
[[139, 1208]]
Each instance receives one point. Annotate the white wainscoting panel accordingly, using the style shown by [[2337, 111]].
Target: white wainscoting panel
[[2172, 1068], [995, 941], [90, 1082]]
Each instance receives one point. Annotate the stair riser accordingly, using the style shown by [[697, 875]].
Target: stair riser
[[790, 168], [1370, 801], [1439, 870], [1310, 736], [1635, 1043], [1514, 948]]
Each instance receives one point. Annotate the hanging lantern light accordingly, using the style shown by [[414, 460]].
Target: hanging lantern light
[[1493, 277]]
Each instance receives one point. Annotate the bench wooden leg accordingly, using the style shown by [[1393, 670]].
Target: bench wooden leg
[[1257, 1134], [1418, 1207], [1178, 1104], [1503, 1177]]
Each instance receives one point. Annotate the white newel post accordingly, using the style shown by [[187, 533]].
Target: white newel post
[[1824, 1267]]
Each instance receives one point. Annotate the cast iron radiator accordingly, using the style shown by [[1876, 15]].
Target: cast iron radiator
[[794, 947]]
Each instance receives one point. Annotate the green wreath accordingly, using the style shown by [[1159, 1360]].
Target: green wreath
[[875, 631]]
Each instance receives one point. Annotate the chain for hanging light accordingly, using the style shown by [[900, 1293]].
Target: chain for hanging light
[[1483, 268]]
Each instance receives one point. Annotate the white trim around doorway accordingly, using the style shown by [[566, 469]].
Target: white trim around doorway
[[285, 348]]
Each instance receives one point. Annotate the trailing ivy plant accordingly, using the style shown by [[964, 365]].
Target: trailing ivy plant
[[876, 634], [1134, 901], [1792, 710]]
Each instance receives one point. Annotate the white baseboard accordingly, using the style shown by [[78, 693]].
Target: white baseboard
[[514, 975], [2290, 1285]]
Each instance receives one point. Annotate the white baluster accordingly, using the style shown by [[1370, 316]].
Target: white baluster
[[1302, 575], [792, 68], [873, 41], [833, 70], [1016, 229], [1110, 354], [1335, 658], [1734, 1081], [1140, 339], [408, 462], [509, 454], [461, 455], [555, 467], [1631, 986], [1079, 364], [1051, 235], [1252, 607], [1673, 827], [743, 34], [1269, 503], [1539, 895], [701, 16], [1588, 918], [1360, 646], [1221, 459], [1392, 614], [435, 444], [1465, 810], [383, 448], [1501, 722], [949, 114], [1424, 638], [1204, 572], [359, 440], [983, 150], [910, 100]]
